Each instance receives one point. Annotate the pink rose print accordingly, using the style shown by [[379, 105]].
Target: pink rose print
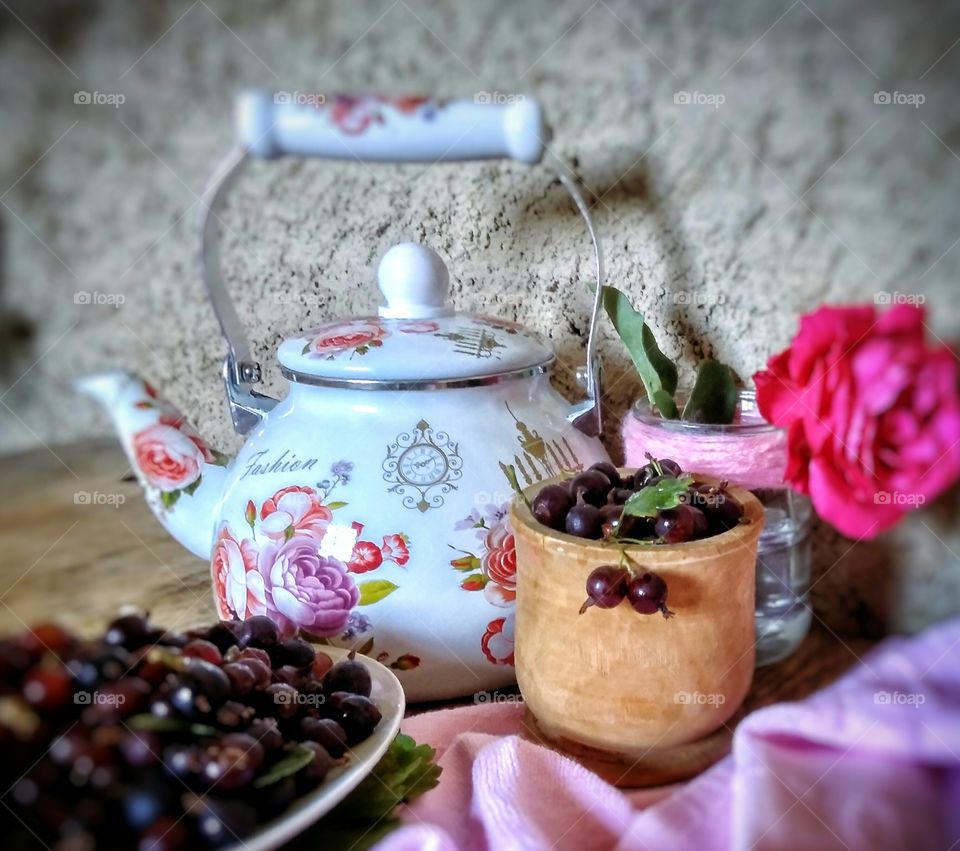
[[238, 587], [168, 459], [354, 115], [295, 509], [421, 327], [395, 549], [179, 422], [366, 556], [356, 336], [499, 565], [304, 589], [494, 569], [872, 414], [497, 642], [279, 570]]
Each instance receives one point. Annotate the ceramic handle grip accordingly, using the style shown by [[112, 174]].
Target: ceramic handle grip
[[389, 129]]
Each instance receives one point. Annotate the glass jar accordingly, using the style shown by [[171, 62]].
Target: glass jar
[[750, 453]]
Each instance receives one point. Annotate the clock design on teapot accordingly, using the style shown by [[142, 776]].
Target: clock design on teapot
[[421, 466]]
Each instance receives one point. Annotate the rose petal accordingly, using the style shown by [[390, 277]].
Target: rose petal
[[296, 504], [275, 525], [831, 497]]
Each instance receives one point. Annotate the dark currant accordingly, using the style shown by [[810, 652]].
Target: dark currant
[[606, 587], [647, 593]]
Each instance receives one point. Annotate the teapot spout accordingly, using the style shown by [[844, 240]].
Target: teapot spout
[[183, 477]]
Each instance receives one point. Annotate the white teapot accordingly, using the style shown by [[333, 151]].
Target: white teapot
[[368, 507]]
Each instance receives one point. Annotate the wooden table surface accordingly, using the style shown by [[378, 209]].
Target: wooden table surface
[[77, 541]]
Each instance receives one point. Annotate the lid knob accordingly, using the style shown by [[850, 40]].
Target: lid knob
[[414, 281]]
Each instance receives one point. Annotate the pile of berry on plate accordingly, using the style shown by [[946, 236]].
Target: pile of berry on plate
[[655, 504], [143, 739]]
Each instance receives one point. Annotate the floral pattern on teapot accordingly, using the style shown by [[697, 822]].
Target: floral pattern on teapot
[[498, 642], [354, 115], [475, 337], [492, 569], [358, 336], [281, 570], [169, 453], [278, 564]]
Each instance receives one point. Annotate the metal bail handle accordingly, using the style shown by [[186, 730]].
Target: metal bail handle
[[371, 128]]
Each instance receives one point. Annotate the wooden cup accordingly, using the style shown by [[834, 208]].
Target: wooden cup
[[618, 683]]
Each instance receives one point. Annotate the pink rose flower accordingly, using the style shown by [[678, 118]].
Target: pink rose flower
[[237, 586], [497, 642], [304, 589], [294, 509], [499, 565], [347, 335], [872, 414], [167, 458]]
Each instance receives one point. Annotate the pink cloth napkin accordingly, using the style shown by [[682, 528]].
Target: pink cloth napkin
[[871, 762]]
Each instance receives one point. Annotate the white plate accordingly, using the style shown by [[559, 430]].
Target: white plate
[[340, 782]]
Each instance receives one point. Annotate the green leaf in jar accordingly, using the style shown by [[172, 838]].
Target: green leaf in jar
[[374, 590], [713, 399], [657, 372], [667, 493], [296, 760]]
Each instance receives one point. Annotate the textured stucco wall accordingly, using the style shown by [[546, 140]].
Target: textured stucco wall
[[797, 189]]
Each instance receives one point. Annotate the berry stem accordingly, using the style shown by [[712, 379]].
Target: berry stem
[[655, 463]]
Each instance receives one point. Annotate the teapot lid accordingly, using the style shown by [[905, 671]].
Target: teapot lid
[[417, 340]]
